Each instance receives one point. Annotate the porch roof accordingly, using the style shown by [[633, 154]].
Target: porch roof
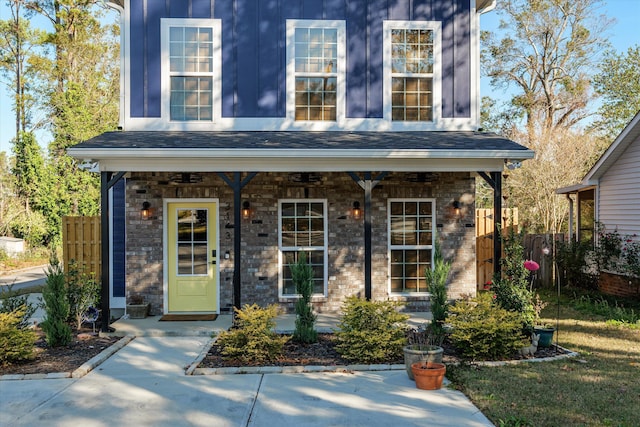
[[295, 151]]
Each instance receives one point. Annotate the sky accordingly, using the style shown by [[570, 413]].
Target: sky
[[623, 34]]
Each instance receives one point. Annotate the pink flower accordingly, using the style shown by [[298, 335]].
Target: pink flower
[[531, 265]]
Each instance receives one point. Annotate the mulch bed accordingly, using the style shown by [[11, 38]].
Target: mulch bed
[[84, 346], [324, 353]]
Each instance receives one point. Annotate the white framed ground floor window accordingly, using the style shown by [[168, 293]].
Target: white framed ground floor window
[[302, 227], [411, 242]]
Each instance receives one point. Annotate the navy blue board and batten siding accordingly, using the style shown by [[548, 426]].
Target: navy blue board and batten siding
[[254, 51]]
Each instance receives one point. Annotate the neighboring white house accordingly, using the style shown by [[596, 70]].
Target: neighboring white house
[[609, 194]]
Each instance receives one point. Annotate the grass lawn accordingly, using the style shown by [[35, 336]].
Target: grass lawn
[[600, 387]]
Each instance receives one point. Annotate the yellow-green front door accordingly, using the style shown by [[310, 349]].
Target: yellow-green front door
[[191, 244]]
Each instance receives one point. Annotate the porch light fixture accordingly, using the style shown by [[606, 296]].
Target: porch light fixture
[[457, 207], [356, 212], [145, 212], [246, 210]]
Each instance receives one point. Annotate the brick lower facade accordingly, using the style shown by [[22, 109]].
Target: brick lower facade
[[618, 285], [259, 253]]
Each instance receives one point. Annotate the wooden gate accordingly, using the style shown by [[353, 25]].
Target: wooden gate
[[484, 240], [81, 243]]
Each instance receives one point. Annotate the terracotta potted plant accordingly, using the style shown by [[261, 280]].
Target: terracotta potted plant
[[425, 343], [137, 308], [429, 375]]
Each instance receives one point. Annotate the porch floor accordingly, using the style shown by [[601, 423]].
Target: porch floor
[[152, 326]]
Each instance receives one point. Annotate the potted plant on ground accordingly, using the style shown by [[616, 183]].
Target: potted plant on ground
[[544, 331], [137, 308], [428, 375], [425, 343], [423, 346]]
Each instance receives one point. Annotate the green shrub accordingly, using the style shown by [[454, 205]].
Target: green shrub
[[481, 330], [31, 226], [371, 332], [17, 343], [574, 265], [302, 275], [511, 288], [83, 292], [13, 302], [57, 331], [252, 337]]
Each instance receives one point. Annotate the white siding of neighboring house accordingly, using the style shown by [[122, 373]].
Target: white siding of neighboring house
[[619, 193]]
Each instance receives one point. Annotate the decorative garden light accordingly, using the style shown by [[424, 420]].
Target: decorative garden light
[[531, 265]]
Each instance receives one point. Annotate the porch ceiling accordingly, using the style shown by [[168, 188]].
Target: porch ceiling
[[299, 151]]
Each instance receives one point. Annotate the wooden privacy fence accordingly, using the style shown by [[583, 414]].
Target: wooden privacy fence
[[535, 246], [81, 243], [484, 240]]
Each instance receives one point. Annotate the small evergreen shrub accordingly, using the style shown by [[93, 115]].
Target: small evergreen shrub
[[83, 292], [481, 330], [57, 331], [371, 331], [252, 337], [17, 343], [14, 302], [302, 275], [437, 282]]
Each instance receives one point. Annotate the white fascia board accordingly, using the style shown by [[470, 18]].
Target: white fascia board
[[285, 162], [289, 165]]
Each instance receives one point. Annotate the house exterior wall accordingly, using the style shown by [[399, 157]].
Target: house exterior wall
[[619, 193], [259, 254], [254, 59]]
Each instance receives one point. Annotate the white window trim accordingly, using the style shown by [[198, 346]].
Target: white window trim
[[292, 24], [436, 27], [216, 72], [418, 247], [325, 248]]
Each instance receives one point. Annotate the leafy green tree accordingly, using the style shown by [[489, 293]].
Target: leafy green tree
[[82, 89], [20, 46], [28, 166], [544, 53], [11, 205], [618, 82]]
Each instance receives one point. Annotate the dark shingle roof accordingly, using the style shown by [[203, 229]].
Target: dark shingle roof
[[260, 140]]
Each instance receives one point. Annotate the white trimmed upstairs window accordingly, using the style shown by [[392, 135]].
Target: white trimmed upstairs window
[[191, 69], [315, 70], [411, 243], [412, 76]]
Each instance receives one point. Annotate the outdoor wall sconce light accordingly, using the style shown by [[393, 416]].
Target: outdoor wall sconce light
[[356, 212], [246, 210], [457, 208], [145, 212]]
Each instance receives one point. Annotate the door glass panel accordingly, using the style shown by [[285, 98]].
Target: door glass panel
[[184, 258], [200, 258], [192, 230]]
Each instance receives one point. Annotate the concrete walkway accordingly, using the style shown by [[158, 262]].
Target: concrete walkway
[[144, 385]]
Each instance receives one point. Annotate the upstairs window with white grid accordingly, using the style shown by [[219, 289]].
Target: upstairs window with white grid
[[412, 52], [191, 49]]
